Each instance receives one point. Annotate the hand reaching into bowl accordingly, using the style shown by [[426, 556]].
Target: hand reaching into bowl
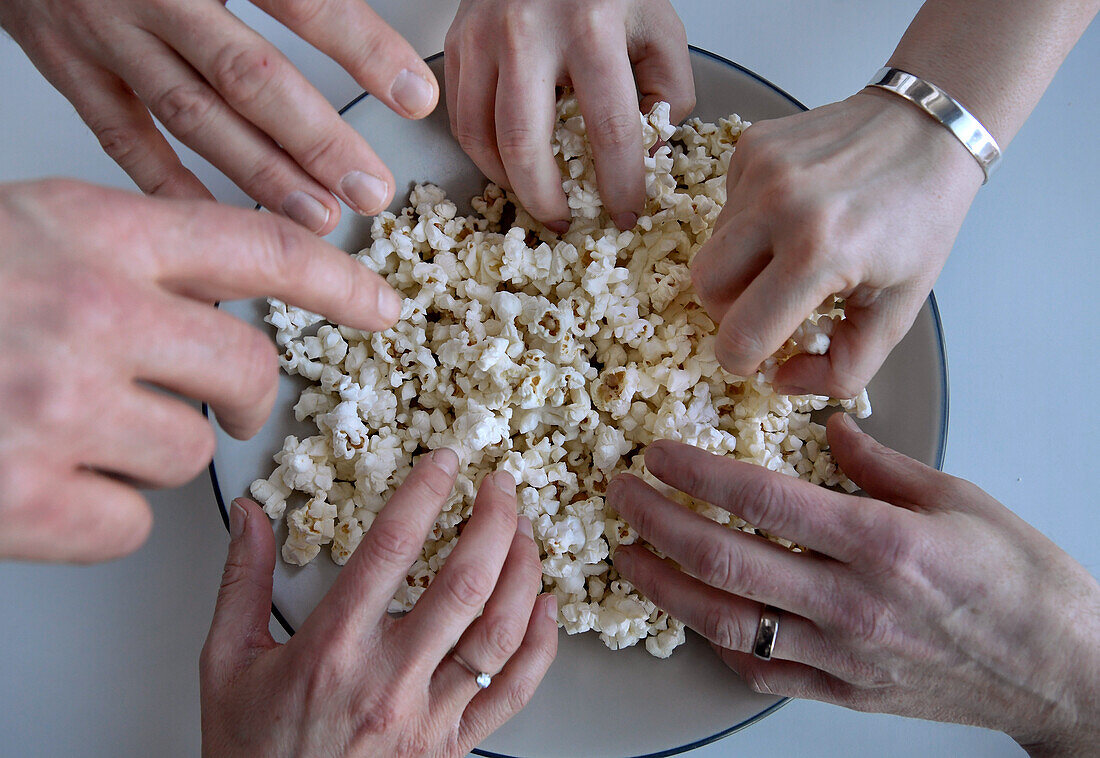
[[864, 198], [927, 599], [106, 300], [504, 60], [354, 681], [227, 93]]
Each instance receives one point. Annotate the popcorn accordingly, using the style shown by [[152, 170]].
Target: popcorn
[[557, 359]]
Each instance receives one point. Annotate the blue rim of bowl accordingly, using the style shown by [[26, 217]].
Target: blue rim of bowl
[[941, 451]]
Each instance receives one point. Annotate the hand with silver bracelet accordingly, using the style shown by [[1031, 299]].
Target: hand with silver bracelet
[[864, 198], [928, 598], [355, 681]]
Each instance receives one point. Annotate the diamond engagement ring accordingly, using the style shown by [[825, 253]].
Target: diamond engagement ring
[[766, 632], [482, 679]]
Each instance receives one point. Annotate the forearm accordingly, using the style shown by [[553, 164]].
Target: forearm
[[994, 57]]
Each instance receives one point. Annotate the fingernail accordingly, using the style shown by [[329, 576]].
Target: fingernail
[[655, 459], [621, 557], [523, 526], [791, 389], [558, 227], [446, 459], [504, 482], [550, 606], [848, 421], [238, 516], [306, 210], [626, 220], [412, 92], [389, 304], [367, 193]]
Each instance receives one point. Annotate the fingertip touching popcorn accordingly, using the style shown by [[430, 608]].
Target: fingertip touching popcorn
[[555, 358]]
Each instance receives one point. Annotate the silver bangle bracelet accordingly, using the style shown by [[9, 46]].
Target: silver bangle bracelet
[[945, 109]]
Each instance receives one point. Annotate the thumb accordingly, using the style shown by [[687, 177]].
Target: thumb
[[243, 610], [882, 473]]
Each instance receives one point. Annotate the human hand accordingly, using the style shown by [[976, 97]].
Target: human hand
[[355, 681], [927, 599], [105, 299], [861, 198], [227, 93], [503, 61]]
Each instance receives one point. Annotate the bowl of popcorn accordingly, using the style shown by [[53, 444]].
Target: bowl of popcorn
[[558, 359]]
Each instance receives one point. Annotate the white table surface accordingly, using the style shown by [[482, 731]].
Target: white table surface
[[101, 661]]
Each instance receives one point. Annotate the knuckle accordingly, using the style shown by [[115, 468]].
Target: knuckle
[[468, 584], [473, 141], [519, 693], [392, 542], [376, 54], [616, 132], [325, 672], [757, 679], [866, 624], [721, 628], [298, 14], [122, 144], [185, 109], [519, 144], [717, 564], [265, 177], [503, 638], [242, 74], [327, 148]]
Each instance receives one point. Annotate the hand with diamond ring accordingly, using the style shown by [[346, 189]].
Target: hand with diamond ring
[[355, 681], [928, 598]]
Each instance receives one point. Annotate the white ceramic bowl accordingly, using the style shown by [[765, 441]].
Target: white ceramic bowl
[[593, 702]]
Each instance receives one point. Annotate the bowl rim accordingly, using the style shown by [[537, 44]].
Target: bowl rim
[[941, 445]]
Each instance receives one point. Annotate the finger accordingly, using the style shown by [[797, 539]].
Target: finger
[[725, 558], [608, 100], [726, 620], [475, 120], [79, 517], [828, 522], [368, 48], [526, 110], [200, 352], [153, 440], [126, 131], [857, 349], [513, 687], [883, 473], [736, 253], [362, 591], [766, 314], [777, 677], [259, 83], [211, 252], [243, 609], [199, 117], [662, 65], [494, 637], [461, 588], [452, 67]]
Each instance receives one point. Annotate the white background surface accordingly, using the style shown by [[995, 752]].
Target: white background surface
[[101, 661]]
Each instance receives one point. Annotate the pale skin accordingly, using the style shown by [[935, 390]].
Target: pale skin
[[504, 60], [107, 303], [228, 94], [355, 681], [928, 598]]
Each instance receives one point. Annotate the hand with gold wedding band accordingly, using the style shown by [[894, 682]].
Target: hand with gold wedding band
[[928, 598], [355, 681]]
